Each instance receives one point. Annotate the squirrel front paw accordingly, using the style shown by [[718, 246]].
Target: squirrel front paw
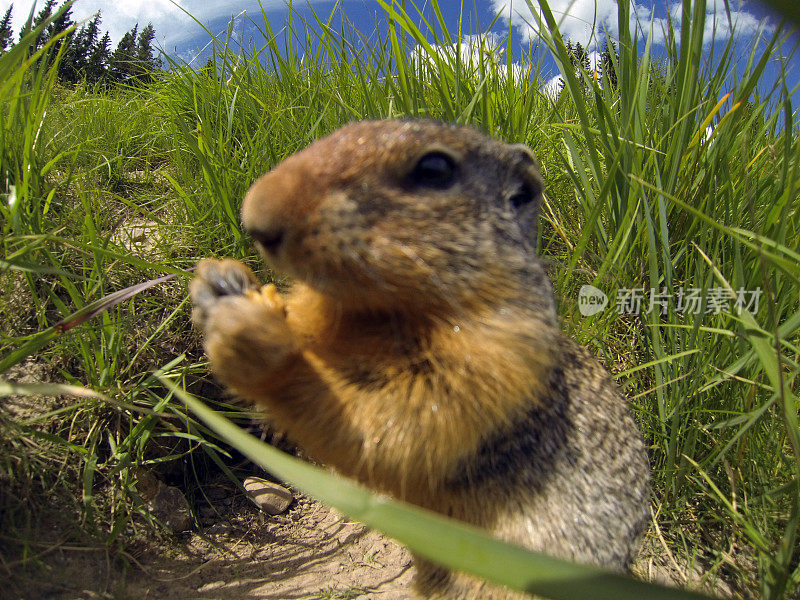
[[215, 280], [246, 335]]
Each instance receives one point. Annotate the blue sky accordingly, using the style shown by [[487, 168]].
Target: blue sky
[[584, 21]]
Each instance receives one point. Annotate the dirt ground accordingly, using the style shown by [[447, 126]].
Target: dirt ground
[[310, 552], [234, 550]]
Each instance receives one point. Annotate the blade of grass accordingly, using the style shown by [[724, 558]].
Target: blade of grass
[[450, 543]]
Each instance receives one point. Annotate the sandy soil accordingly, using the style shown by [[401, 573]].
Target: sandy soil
[[310, 552], [236, 551]]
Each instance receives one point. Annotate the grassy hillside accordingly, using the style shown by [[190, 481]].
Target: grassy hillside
[[104, 189]]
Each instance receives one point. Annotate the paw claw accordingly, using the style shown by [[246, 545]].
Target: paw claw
[[215, 280], [226, 277]]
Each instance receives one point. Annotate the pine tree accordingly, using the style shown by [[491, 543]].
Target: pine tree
[[570, 53], [84, 42], [579, 58], [5, 30], [98, 61], [607, 59], [70, 66], [60, 24], [145, 63], [40, 18], [122, 63]]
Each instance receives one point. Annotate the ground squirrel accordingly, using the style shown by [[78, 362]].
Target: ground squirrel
[[418, 349]]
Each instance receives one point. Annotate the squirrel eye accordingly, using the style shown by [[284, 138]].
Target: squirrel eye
[[435, 169]]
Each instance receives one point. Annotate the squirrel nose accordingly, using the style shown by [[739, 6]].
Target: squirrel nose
[[261, 214], [276, 207], [266, 212]]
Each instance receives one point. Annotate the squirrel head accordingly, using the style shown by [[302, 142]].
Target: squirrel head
[[402, 215]]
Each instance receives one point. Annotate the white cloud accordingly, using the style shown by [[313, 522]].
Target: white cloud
[[553, 87], [472, 46], [471, 49], [589, 21], [584, 21], [487, 48], [173, 26], [718, 27]]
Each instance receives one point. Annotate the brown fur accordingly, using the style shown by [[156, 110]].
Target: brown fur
[[418, 350]]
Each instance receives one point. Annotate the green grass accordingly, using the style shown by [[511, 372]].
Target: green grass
[[116, 187]]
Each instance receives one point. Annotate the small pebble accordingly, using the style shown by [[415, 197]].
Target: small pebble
[[272, 498]]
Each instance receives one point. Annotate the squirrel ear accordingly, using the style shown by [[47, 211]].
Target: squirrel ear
[[525, 193], [524, 154]]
